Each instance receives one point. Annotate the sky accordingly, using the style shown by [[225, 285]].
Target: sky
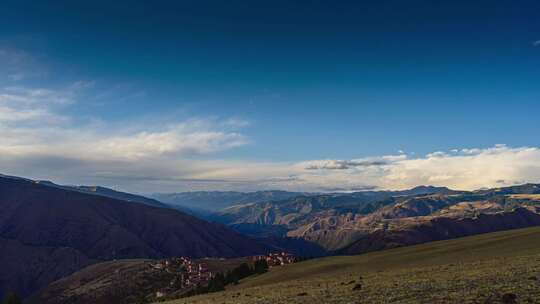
[[255, 95]]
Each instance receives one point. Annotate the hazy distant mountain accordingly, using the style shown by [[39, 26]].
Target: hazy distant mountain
[[217, 200], [519, 189], [48, 232], [421, 190]]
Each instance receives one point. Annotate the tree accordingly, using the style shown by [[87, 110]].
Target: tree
[[231, 278], [12, 298], [261, 266], [217, 283], [243, 271]]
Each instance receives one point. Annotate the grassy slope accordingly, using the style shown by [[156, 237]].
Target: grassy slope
[[478, 268]]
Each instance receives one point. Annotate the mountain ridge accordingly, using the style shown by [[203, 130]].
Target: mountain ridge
[[212, 201], [108, 192], [335, 221]]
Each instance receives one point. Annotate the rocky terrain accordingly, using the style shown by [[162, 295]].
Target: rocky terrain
[[376, 220]]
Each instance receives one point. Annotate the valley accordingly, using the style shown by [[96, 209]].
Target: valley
[[269, 152], [83, 243]]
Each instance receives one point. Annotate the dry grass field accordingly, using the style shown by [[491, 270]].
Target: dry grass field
[[501, 267]]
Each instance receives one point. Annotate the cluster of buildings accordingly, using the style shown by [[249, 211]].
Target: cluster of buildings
[[187, 274], [277, 259]]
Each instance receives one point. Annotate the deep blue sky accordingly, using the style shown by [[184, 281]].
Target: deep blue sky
[[315, 79]]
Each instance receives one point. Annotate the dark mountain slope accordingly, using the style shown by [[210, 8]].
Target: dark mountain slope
[[49, 232], [26, 268], [103, 191]]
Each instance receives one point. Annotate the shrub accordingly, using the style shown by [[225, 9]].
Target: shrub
[[12, 298]]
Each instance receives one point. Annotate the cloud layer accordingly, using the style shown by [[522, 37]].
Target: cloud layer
[[31, 123], [41, 140]]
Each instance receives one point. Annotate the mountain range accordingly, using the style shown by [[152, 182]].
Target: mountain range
[[352, 223], [48, 232], [211, 201], [206, 202]]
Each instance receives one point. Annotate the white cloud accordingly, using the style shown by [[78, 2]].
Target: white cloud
[[43, 143], [182, 138], [536, 43], [437, 154], [485, 168], [103, 142], [39, 139], [331, 164], [32, 123], [10, 115], [18, 65], [21, 105]]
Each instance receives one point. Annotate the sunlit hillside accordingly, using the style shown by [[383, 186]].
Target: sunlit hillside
[[501, 267]]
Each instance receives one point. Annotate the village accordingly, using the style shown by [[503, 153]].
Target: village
[[277, 259], [189, 274]]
